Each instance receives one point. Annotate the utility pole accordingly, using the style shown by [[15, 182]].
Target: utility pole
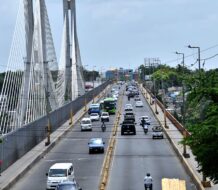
[[204, 180], [93, 83], [185, 154], [199, 59]]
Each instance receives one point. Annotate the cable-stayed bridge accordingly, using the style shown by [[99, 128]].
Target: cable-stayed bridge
[[35, 81]]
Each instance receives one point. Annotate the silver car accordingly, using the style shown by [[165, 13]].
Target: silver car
[[157, 132]]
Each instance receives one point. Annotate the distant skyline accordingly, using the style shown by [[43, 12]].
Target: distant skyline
[[121, 33]]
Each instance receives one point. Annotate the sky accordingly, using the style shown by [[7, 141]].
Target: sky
[[121, 33]]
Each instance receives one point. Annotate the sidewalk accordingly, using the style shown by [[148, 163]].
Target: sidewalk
[[12, 174], [175, 137]]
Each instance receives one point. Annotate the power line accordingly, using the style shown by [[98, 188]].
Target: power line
[[190, 55]]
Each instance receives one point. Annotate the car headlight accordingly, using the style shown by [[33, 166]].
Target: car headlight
[[49, 181]]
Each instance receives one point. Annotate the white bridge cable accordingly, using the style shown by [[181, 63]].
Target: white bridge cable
[[61, 83], [13, 74], [36, 97]]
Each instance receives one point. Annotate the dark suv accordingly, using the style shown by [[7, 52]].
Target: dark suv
[[128, 126]]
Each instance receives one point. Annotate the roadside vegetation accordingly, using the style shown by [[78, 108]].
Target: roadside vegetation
[[201, 110]]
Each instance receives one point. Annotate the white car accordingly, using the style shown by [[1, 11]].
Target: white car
[[147, 120], [105, 116], [86, 124], [128, 107], [94, 117], [139, 104]]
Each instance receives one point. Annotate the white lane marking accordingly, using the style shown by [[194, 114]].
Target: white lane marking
[[57, 160]]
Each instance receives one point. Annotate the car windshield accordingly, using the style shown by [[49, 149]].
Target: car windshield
[[57, 173], [145, 117], [94, 114], [95, 141], [66, 187], [104, 114], [86, 122], [95, 109], [128, 105], [129, 114]]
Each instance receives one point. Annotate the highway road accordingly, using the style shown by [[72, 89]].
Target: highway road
[[72, 148], [133, 157], [136, 155]]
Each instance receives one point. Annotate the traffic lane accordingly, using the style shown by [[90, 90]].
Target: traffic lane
[[136, 155], [72, 148]]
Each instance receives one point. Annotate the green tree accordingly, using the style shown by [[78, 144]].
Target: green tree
[[202, 122]]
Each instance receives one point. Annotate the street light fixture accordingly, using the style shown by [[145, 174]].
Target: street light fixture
[[199, 55], [93, 83], [185, 154]]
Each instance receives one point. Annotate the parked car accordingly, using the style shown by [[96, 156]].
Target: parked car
[[68, 185], [157, 132], [139, 104], [105, 116], [96, 145], [59, 172], [86, 124], [94, 117]]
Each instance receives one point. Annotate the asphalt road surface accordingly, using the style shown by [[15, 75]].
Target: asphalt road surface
[[135, 155], [72, 148]]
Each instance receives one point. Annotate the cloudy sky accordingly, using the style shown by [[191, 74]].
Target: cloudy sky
[[121, 33]]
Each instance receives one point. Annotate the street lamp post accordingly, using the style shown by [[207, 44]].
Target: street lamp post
[[93, 82], [199, 59], [185, 154], [199, 55], [204, 181]]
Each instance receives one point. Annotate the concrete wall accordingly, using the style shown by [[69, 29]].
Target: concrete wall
[[17, 143]]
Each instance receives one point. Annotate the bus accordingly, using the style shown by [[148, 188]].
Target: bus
[[109, 105], [95, 108]]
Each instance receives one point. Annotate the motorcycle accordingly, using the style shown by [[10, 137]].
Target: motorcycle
[[103, 128], [148, 186], [145, 128]]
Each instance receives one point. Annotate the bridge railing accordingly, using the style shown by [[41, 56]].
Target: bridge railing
[[15, 144], [175, 122]]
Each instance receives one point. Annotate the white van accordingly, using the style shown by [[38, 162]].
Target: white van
[[58, 173], [86, 124]]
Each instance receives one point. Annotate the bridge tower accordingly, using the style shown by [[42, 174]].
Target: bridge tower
[[73, 67]]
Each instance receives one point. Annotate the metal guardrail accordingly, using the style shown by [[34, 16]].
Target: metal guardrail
[[175, 122]]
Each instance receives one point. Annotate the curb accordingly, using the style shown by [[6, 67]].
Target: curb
[[186, 165], [47, 149]]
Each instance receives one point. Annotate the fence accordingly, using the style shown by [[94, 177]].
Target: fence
[[175, 122], [15, 144]]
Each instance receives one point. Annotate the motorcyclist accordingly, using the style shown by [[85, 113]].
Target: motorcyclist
[[148, 181], [103, 126], [143, 122]]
